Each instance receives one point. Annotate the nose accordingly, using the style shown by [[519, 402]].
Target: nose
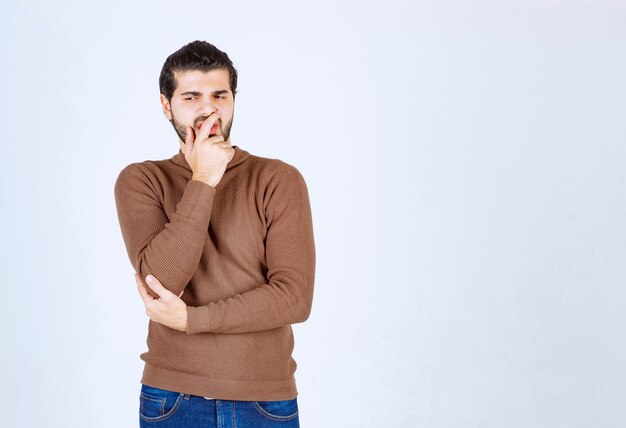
[[206, 108]]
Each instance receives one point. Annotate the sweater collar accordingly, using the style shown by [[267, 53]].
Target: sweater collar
[[240, 156]]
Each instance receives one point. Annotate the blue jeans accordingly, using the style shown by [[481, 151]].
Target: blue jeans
[[163, 408]]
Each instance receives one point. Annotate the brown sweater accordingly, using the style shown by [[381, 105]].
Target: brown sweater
[[244, 254]]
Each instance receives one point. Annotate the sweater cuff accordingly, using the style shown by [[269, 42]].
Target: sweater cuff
[[196, 205], [197, 319], [197, 195]]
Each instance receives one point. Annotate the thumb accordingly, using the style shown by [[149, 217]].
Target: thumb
[[156, 285]]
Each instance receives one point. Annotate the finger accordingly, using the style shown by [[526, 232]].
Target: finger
[[218, 139], [142, 290], [226, 146], [190, 137], [158, 288], [208, 123]]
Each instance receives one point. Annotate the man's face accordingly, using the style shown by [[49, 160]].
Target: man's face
[[197, 95]]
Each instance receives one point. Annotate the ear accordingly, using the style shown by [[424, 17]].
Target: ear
[[167, 108]]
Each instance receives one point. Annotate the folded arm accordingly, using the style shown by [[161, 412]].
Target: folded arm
[[168, 248], [287, 296]]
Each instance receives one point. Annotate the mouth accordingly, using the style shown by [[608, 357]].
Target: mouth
[[212, 131]]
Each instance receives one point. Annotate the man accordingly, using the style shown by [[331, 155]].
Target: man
[[222, 243]]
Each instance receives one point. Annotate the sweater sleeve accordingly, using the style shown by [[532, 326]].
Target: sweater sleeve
[[287, 296], [168, 248]]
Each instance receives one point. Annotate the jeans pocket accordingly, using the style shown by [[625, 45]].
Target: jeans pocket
[[281, 410], [156, 404]]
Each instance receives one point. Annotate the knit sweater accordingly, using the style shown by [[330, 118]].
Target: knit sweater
[[242, 254]]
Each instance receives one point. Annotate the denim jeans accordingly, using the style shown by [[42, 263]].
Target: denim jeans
[[163, 408]]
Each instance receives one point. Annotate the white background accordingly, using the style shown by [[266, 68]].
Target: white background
[[466, 168]]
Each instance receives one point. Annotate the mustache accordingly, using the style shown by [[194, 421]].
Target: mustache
[[201, 119]]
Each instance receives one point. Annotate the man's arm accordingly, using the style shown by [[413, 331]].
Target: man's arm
[[169, 249], [290, 254]]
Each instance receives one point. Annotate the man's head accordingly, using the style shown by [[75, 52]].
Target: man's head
[[196, 81]]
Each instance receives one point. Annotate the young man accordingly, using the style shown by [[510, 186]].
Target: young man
[[222, 243]]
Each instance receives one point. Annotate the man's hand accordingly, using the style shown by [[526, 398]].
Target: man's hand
[[206, 154], [168, 309]]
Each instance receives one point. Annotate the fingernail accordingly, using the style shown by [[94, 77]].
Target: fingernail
[[149, 278]]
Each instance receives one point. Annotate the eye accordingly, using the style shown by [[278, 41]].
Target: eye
[[190, 98]]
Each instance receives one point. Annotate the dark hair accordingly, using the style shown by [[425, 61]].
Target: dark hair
[[197, 55]]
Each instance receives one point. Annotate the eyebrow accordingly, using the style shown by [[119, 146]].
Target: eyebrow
[[197, 94]]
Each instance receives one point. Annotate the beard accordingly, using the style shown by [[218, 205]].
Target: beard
[[181, 129]]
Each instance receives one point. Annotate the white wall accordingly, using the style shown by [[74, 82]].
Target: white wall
[[465, 162]]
